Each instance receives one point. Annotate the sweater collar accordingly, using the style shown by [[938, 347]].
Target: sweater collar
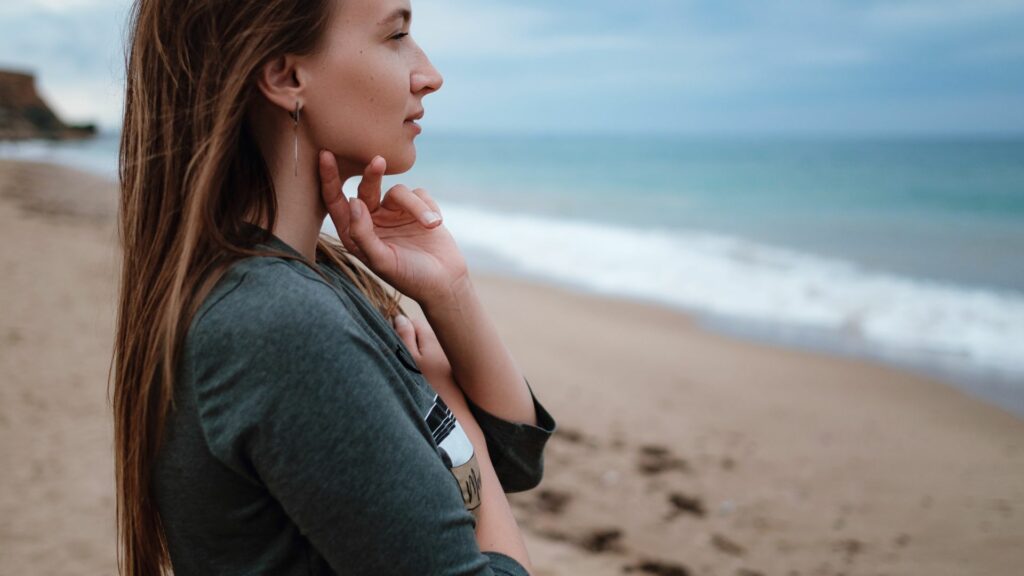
[[272, 240]]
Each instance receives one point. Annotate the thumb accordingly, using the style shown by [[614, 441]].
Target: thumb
[[407, 332]]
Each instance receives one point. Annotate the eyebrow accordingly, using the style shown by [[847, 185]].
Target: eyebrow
[[404, 13]]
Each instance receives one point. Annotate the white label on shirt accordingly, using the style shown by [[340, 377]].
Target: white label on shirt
[[450, 437]]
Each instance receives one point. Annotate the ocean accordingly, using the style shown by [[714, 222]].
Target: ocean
[[906, 251]]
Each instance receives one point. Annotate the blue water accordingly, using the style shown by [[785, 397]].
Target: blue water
[[907, 251], [902, 250], [946, 210]]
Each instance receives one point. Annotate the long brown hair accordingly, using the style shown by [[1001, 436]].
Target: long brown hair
[[189, 172]]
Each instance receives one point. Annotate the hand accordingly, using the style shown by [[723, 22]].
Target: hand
[[394, 236], [430, 358]]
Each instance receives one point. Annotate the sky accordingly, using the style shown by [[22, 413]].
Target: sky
[[935, 67]]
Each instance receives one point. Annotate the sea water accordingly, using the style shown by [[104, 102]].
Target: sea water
[[905, 250]]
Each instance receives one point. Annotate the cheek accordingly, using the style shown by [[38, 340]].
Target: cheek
[[359, 100], [383, 86]]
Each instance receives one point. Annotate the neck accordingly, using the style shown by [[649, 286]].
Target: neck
[[300, 207]]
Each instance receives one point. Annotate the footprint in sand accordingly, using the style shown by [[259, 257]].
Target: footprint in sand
[[569, 435], [657, 567], [656, 459], [603, 540], [551, 501], [849, 547], [574, 436], [597, 541], [726, 546], [683, 504]]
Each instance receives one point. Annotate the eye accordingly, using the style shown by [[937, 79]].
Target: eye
[[400, 35]]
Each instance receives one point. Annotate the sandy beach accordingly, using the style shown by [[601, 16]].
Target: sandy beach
[[679, 452]]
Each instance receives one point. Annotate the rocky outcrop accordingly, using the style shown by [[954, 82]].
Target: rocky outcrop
[[24, 114]]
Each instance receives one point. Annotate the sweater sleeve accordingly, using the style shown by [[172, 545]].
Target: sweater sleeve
[[297, 397], [516, 448]]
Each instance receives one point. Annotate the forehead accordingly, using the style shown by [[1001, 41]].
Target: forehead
[[374, 12]]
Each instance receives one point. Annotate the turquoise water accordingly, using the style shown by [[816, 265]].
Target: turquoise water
[[907, 251], [944, 210], [902, 250]]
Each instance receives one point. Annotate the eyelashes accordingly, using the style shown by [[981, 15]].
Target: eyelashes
[[400, 35]]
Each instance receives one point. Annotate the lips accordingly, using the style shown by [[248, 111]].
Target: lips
[[416, 116]]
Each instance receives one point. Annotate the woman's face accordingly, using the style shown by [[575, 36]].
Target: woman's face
[[363, 84]]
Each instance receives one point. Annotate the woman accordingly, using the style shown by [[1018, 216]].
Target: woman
[[275, 411]]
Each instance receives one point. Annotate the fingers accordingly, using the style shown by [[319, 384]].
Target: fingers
[[422, 194], [407, 332], [372, 250], [425, 337], [357, 234], [334, 199], [330, 187], [369, 185], [400, 198]]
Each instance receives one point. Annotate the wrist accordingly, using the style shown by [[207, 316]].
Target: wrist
[[458, 293]]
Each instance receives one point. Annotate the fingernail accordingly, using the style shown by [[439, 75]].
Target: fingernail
[[430, 216], [357, 210], [401, 321]]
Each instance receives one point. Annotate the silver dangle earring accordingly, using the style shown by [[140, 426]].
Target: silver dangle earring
[[295, 116]]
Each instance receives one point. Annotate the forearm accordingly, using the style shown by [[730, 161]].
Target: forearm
[[496, 527], [481, 363]]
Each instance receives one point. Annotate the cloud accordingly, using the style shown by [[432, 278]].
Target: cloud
[[653, 64], [75, 51], [53, 5], [474, 30], [925, 14]]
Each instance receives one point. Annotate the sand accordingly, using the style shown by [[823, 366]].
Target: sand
[[679, 451]]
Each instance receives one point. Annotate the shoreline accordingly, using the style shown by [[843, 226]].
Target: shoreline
[[999, 386], [1002, 389], [679, 448]]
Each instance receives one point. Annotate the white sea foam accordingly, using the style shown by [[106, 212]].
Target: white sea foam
[[745, 280], [709, 272]]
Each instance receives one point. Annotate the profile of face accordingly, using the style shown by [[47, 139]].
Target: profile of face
[[360, 87]]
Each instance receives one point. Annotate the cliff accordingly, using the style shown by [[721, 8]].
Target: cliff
[[24, 114]]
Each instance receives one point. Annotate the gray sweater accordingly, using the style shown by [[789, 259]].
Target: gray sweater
[[304, 439]]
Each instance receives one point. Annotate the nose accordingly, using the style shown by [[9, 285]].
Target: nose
[[426, 78]]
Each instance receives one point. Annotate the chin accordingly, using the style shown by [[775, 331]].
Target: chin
[[401, 161]]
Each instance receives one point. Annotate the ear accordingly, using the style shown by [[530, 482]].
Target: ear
[[280, 81]]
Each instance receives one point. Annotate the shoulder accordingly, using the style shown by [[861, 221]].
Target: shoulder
[[271, 328], [266, 305], [262, 290]]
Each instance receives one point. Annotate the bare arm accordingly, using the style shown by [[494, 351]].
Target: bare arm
[[496, 527], [481, 363]]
